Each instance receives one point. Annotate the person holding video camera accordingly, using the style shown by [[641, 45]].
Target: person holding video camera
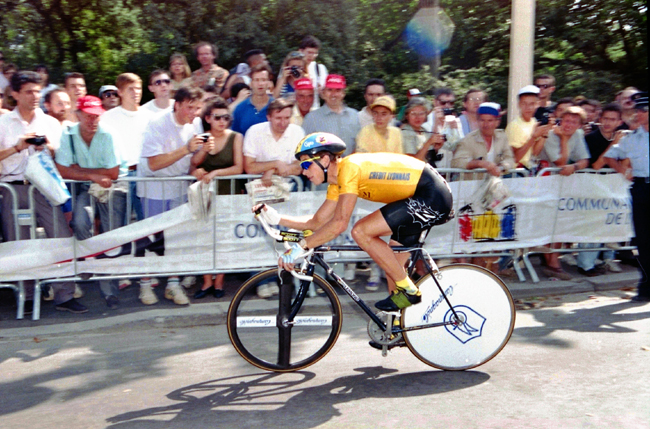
[[443, 119], [418, 140], [293, 68]]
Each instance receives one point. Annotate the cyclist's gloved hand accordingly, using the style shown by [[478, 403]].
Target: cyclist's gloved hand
[[294, 252], [270, 215]]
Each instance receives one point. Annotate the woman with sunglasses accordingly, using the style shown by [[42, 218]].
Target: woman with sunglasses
[[224, 157]]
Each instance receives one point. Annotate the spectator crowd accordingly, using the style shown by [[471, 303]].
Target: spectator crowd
[[214, 122]]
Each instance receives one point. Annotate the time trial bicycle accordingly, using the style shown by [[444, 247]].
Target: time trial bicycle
[[465, 318]]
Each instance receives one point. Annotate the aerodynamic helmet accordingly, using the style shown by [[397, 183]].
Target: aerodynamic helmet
[[319, 142]]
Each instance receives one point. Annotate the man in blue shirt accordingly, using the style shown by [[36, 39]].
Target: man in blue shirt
[[88, 153], [630, 157], [253, 110]]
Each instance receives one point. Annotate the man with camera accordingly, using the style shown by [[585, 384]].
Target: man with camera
[[443, 120], [170, 140], [24, 131], [293, 68]]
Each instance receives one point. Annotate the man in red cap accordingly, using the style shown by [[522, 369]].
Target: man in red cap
[[88, 153], [334, 116], [304, 100]]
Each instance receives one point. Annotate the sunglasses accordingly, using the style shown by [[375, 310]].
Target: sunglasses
[[544, 86], [225, 117], [161, 81], [447, 103], [308, 162], [109, 94]]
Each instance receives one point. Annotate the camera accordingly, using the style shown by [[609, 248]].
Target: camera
[[447, 112], [542, 115], [36, 140], [295, 71], [204, 136]]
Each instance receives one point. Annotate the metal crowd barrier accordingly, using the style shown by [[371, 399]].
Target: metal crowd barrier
[[27, 217], [543, 250]]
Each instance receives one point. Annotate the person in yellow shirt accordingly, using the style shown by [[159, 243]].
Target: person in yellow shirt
[[416, 198], [525, 135], [380, 136]]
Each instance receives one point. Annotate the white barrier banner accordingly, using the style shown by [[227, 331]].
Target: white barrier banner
[[579, 208]]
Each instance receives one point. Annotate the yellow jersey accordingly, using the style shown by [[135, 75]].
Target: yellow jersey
[[379, 177]]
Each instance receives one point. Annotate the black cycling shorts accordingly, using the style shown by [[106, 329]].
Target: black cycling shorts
[[430, 205]]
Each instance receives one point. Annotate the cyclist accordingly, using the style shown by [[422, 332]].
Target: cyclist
[[416, 198]]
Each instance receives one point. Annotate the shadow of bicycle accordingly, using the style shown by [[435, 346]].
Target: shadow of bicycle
[[278, 400]]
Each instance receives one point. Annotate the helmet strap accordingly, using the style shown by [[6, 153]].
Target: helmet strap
[[322, 168]]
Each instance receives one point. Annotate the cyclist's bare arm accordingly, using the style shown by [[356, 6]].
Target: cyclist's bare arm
[[320, 218], [337, 223]]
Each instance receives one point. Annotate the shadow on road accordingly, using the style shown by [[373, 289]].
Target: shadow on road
[[277, 400], [602, 319]]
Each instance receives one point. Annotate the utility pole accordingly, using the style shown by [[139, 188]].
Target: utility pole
[[522, 51]]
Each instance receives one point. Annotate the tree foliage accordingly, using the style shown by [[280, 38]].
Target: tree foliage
[[593, 47]]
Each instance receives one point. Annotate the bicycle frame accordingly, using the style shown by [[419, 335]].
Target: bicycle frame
[[417, 253]]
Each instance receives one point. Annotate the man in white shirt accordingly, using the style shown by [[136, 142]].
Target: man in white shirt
[[25, 122], [269, 147], [317, 73], [160, 84], [170, 139], [127, 123]]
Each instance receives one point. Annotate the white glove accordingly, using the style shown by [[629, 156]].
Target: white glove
[[270, 215], [294, 252]]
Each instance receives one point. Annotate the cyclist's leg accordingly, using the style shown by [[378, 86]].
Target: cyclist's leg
[[366, 233]]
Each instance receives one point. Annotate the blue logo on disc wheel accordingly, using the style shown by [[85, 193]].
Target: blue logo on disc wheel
[[471, 325]]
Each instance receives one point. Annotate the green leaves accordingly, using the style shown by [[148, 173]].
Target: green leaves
[[593, 47]]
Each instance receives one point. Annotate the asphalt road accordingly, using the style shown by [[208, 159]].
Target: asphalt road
[[577, 361]]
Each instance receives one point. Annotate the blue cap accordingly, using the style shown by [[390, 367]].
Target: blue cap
[[489, 109]]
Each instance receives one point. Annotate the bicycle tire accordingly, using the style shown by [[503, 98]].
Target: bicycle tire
[[316, 327], [477, 295]]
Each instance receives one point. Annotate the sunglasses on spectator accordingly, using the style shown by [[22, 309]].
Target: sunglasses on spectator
[[447, 103], [161, 81], [308, 162], [544, 86], [225, 117], [109, 94]]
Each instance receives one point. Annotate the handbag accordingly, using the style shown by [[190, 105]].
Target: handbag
[[43, 174]]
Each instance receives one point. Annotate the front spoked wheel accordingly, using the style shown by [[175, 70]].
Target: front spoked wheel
[[263, 333], [485, 318]]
